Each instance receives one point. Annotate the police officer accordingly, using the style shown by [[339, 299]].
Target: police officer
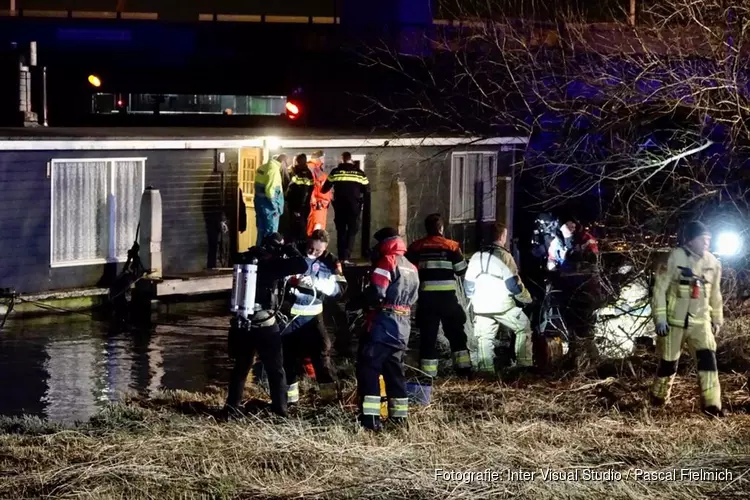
[[350, 185], [261, 333], [439, 261], [298, 195], [393, 290], [306, 335], [495, 289], [688, 308]]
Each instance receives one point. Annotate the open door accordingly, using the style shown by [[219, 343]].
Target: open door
[[250, 159]]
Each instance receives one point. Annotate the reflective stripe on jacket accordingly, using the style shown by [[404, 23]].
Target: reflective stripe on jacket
[[492, 282], [674, 288], [327, 281], [439, 261], [395, 281], [299, 191], [350, 185]]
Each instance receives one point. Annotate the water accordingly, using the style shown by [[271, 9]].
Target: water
[[67, 368]]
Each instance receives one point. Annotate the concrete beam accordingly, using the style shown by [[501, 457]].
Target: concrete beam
[[194, 286]]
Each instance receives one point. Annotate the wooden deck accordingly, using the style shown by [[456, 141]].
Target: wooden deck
[[220, 280]]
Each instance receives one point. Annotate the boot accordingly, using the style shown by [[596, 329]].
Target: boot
[[713, 411], [656, 401], [463, 373], [371, 423]]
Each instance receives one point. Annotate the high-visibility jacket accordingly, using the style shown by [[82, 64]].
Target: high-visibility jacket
[[268, 188], [319, 198], [439, 261], [492, 282], [688, 291]]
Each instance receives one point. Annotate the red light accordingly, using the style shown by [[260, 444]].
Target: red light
[[119, 103], [292, 110]]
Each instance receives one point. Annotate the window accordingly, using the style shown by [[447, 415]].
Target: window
[[359, 160], [95, 209], [473, 187]]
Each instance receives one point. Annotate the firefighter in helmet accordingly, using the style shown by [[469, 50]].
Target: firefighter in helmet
[[688, 308]]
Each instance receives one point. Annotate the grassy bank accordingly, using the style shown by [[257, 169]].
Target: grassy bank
[[175, 447], [598, 423]]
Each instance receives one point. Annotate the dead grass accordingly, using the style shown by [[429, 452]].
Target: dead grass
[[174, 446], [177, 446]]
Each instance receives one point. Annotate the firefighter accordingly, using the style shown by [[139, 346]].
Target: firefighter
[[688, 308], [275, 262], [306, 334], [269, 196], [319, 201], [440, 261], [494, 288], [393, 290], [298, 196], [350, 185]]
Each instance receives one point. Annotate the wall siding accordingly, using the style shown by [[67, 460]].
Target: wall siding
[[191, 197], [426, 172]]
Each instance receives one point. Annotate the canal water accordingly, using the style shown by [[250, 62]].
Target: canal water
[[66, 368]]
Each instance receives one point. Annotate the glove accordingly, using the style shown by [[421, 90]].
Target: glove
[[715, 328], [305, 282], [662, 329]]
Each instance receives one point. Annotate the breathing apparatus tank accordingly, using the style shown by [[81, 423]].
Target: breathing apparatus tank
[[244, 282]]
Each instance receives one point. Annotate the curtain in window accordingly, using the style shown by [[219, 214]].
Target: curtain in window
[[80, 214], [489, 188], [127, 190]]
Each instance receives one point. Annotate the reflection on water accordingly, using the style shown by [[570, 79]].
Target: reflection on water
[[70, 367]]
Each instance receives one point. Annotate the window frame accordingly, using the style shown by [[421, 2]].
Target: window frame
[[361, 160], [453, 185], [110, 192]]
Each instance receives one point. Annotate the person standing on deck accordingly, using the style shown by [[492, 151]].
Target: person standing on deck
[[319, 201], [269, 196], [298, 196], [350, 185]]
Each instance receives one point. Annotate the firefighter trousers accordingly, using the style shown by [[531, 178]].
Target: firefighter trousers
[[702, 344], [309, 339], [377, 359], [266, 341], [433, 309], [486, 328], [346, 219]]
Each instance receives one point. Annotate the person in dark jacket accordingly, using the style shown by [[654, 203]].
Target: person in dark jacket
[[350, 185], [298, 199], [440, 262], [393, 290], [261, 333]]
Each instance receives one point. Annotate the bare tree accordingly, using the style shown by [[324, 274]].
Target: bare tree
[[642, 123]]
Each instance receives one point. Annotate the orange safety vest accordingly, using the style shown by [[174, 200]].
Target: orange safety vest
[[318, 216]]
